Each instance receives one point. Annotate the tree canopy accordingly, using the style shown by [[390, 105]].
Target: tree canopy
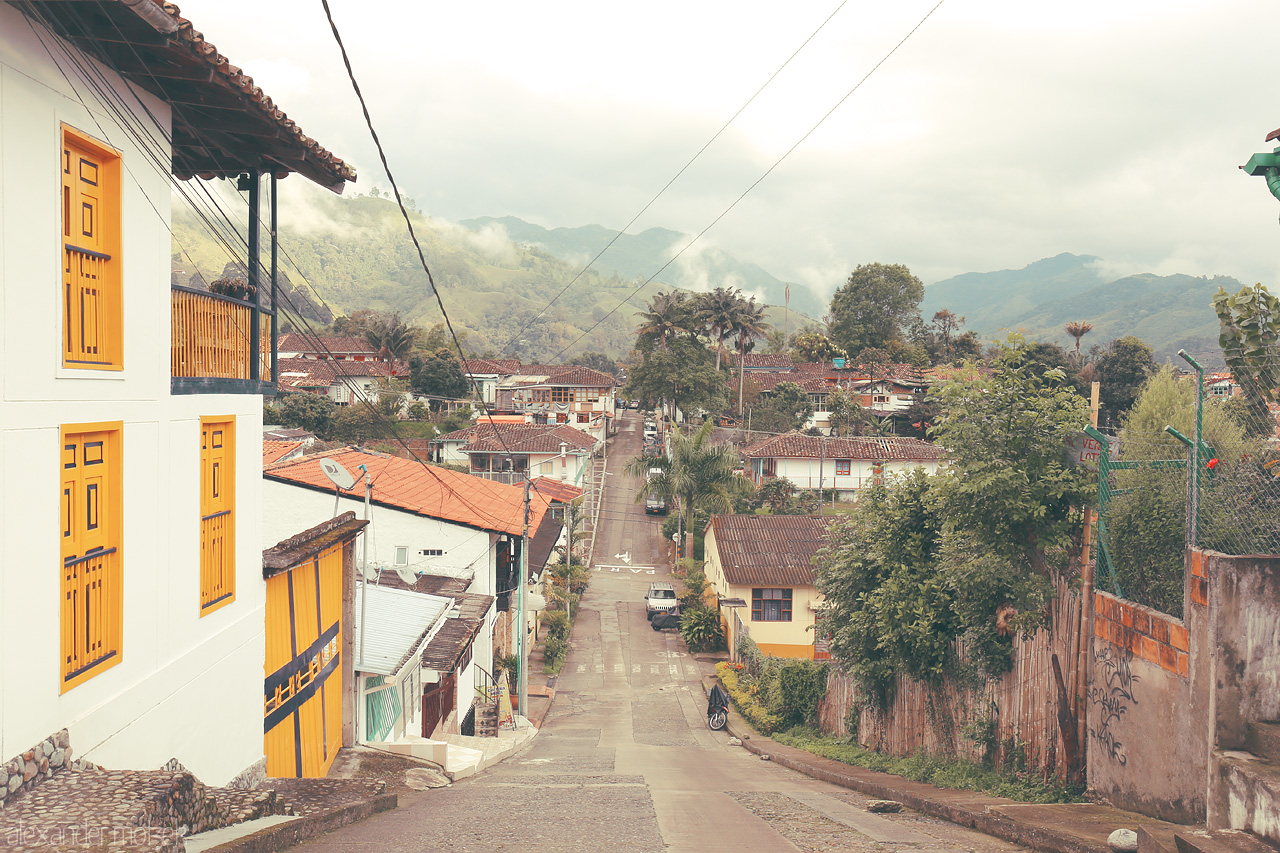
[[874, 306]]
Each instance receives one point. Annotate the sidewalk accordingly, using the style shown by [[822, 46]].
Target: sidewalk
[[1059, 828]]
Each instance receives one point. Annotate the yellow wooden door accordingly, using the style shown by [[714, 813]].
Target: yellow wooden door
[[90, 522], [302, 728], [217, 514]]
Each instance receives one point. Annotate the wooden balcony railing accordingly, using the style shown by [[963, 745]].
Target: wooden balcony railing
[[212, 344]]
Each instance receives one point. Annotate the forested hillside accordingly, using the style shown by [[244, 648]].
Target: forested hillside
[[1168, 312], [355, 253]]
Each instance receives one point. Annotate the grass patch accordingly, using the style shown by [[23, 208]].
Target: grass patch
[[1024, 786]]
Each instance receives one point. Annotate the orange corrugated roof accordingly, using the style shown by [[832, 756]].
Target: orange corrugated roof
[[422, 489]]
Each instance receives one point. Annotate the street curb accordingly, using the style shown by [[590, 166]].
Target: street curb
[[285, 835], [885, 786]]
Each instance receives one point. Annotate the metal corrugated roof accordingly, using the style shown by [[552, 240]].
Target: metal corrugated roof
[[769, 549], [396, 623]]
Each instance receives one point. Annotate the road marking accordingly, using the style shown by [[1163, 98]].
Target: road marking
[[582, 667], [600, 567], [617, 667], [653, 669], [635, 667], [600, 667], [674, 669], [690, 669]]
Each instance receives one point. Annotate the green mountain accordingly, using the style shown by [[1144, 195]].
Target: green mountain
[[355, 253], [1168, 312], [641, 255]]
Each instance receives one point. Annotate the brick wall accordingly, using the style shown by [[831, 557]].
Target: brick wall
[[1149, 634]]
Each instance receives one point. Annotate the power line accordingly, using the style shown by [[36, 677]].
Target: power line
[[674, 178], [755, 183]]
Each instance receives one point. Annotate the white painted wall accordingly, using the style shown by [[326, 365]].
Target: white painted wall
[[289, 509], [808, 474], [187, 687]]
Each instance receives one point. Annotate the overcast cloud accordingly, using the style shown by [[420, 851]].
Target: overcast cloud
[[1002, 132]]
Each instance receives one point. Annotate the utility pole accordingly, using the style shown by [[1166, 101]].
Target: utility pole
[[1080, 683], [522, 683], [364, 589]]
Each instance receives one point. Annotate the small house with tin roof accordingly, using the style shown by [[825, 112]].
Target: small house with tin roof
[[509, 452], [761, 568]]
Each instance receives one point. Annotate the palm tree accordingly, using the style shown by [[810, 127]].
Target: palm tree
[[701, 475], [667, 315], [1078, 329], [394, 339], [748, 326], [719, 311]]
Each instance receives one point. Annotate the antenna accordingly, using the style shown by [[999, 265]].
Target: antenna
[[409, 576]]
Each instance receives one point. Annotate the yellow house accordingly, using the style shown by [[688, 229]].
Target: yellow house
[[761, 568]]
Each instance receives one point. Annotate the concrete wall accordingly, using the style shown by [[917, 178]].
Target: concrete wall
[[187, 687]]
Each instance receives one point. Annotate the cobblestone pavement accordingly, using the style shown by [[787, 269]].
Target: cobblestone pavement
[[625, 761]]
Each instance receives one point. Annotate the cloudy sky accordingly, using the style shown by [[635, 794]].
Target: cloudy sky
[[1001, 132]]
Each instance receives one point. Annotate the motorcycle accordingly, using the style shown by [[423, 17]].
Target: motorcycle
[[717, 708]]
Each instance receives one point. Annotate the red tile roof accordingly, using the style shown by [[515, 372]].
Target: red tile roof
[[519, 438], [317, 345], [870, 448], [777, 550], [314, 373], [273, 451], [556, 490], [569, 374], [762, 360], [421, 489], [499, 366]]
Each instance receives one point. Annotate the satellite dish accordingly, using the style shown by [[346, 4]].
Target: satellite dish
[[370, 573], [409, 576], [337, 475]]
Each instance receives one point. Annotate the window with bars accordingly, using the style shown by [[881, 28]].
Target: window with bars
[[843, 467], [770, 605], [92, 310], [90, 521], [217, 513]]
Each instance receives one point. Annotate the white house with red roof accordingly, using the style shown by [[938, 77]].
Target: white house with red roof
[[510, 452], [425, 520], [847, 465], [132, 596], [343, 382], [484, 374], [886, 390], [325, 347]]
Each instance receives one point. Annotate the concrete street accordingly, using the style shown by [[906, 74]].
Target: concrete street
[[625, 761]]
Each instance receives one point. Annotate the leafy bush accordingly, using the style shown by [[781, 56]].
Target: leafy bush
[[745, 701], [701, 630], [554, 651]]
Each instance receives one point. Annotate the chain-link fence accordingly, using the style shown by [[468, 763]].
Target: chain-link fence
[[1196, 461]]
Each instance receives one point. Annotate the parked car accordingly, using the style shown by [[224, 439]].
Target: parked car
[[655, 506], [661, 598]]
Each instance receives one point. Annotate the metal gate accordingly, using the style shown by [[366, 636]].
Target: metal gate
[[302, 725]]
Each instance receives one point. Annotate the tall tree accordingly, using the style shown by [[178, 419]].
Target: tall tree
[[719, 311], [786, 409], [874, 306], [1008, 480], [438, 375], [1249, 335], [667, 315], [749, 325], [682, 373], [1078, 329], [394, 339], [1121, 371]]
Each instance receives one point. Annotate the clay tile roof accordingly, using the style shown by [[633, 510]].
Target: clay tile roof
[[499, 366], [871, 448], [520, 438], [324, 344], [273, 451], [771, 361], [570, 374], [556, 490], [769, 549], [424, 490], [222, 123]]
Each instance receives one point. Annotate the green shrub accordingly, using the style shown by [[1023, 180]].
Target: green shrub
[[745, 701], [701, 630]]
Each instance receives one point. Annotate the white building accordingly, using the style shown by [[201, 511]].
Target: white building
[[424, 520], [132, 594], [509, 452], [847, 465]]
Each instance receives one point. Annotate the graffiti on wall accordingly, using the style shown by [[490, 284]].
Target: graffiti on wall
[[1113, 694]]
